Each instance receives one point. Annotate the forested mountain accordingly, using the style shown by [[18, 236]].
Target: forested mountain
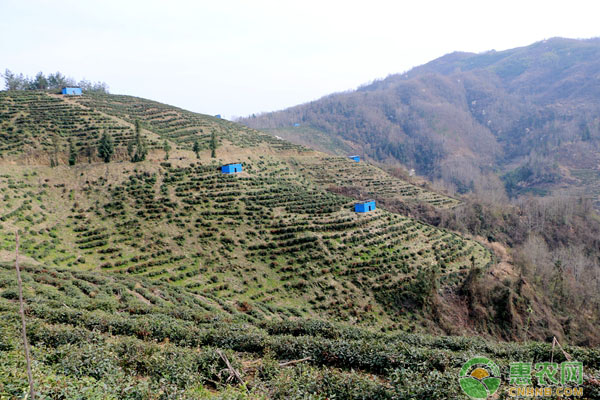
[[528, 115]]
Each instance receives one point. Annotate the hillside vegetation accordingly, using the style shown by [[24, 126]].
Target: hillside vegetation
[[98, 335], [527, 115], [144, 279]]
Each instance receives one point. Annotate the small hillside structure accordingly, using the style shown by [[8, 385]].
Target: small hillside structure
[[354, 158], [231, 168], [72, 91], [364, 206]]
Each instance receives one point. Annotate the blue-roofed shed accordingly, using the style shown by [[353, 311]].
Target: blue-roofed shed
[[364, 206], [72, 91], [355, 158], [231, 168]]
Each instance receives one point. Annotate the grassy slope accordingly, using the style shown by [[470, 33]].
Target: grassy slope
[[124, 255]]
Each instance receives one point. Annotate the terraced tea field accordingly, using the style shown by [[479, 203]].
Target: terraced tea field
[[181, 126], [341, 172], [100, 335], [142, 278], [28, 120], [267, 238]]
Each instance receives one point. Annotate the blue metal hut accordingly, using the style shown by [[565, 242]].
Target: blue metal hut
[[364, 206], [72, 91], [231, 168], [354, 158]]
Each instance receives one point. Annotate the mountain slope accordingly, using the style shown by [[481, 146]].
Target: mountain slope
[[137, 275], [527, 114], [248, 239]]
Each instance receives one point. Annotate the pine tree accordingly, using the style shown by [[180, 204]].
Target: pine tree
[[141, 151], [106, 147], [72, 153], [197, 148], [213, 145], [167, 149]]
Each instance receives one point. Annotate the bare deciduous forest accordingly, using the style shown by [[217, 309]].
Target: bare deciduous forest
[[527, 115]]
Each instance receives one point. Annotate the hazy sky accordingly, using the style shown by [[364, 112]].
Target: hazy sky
[[241, 57]]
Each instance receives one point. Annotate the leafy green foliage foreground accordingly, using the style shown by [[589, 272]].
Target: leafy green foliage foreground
[[93, 336]]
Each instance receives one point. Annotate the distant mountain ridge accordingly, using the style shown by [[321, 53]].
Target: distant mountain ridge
[[528, 115]]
